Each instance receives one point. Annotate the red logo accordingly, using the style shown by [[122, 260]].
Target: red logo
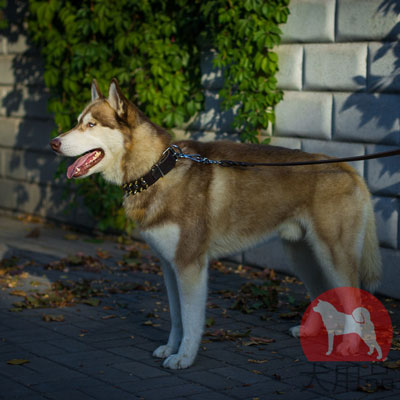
[[346, 324]]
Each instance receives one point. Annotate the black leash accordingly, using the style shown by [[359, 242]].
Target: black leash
[[174, 152], [229, 163]]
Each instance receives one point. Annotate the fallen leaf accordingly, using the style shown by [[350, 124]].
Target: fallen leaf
[[111, 316], [289, 315], [257, 361], [104, 254], [367, 388], [210, 322], [34, 233], [53, 317], [21, 293], [71, 236], [17, 361], [254, 341], [392, 364], [91, 302]]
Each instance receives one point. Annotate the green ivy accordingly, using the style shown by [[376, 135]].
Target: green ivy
[[153, 48]]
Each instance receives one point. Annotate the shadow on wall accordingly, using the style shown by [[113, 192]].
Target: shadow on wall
[[25, 103], [378, 105]]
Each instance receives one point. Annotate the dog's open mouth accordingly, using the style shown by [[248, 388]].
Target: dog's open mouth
[[83, 164]]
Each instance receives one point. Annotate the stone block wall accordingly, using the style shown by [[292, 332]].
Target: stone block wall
[[27, 165]]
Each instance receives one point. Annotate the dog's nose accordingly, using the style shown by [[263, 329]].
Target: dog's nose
[[55, 144]]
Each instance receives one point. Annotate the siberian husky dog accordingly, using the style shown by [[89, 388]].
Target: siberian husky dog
[[338, 323], [199, 212]]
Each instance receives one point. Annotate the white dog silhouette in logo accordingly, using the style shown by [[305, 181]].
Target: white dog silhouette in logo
[[338, 323]]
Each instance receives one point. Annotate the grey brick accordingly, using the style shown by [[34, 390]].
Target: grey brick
[[106, 392], [183, 390], [30, 166], [141, 370], [321, 15], [151, 383], [337, 149], [383, 174], [384, 67], [286, 142], [387, 220], [238, 374], [24, 102], [210, 380], [210, 396], [7, 74], [69, 394], [367, 117], [211, 77], [290, 74], [293, 115], [24, 197], [366, 20], [24, 133], [335, 66]]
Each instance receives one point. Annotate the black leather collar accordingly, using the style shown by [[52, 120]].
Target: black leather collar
[[157, 171]]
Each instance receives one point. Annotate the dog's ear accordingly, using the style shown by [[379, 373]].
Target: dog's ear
[[117, 99], [96, 93]]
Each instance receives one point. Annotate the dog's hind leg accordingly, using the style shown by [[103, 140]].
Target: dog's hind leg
[[175, 334], [315, 278], [192, 285]]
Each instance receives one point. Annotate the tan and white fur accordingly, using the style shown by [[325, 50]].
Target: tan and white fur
[[201, 212]]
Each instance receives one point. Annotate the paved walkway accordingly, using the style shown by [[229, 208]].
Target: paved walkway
[[80, 317]]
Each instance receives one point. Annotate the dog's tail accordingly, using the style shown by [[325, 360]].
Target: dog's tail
[[371, 264]]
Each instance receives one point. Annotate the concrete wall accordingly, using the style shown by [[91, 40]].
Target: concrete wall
[[339, 68]]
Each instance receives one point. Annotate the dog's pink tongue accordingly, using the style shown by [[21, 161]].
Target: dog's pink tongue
[[71, 171]]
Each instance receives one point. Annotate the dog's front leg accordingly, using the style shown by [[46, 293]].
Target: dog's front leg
[[175, 334], [192, 284]]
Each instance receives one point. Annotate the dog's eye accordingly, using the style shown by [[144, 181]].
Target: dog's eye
[[91, 124]]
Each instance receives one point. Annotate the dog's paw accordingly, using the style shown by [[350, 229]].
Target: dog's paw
[[163, 351], [178, 361], [295, 331]]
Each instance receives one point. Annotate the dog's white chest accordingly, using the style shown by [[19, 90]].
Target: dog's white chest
[[163, 240]]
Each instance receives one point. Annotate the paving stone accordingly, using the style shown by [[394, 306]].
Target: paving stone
[[210, 380], [68, 395], [141, 370], [107, 392], [186, 389], [158, 382]]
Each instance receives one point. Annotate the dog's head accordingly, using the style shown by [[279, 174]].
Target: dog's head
[[98, 137]]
